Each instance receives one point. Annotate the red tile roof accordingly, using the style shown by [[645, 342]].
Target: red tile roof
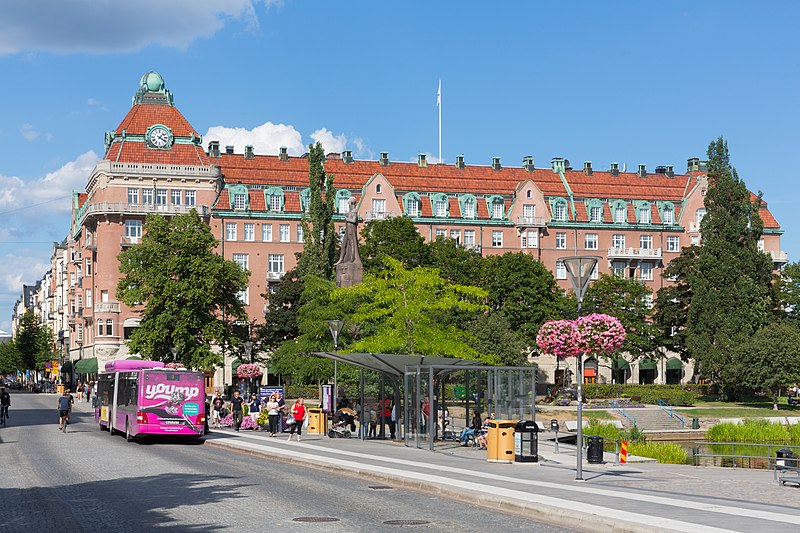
[[142, 116], [138, 152]]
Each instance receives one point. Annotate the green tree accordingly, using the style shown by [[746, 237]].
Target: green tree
[[771, 358], [789, 293], [188, 293], [454, 262], [10, 358], [395, 237], [319, 250], [33, 342], [672, 301], [625, 299], [281, 321], [731, 293], [521, 289], [398, 311], [495, 337]]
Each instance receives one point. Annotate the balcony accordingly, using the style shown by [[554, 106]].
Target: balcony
[[127, 242], [72, 318], [473, 247], [377, 215], [77, 257], [106, 307], [531, 222], [634, 253], [779, 256], [103, 208], [274, 276]]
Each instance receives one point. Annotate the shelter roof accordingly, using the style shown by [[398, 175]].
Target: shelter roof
[[394, 364]]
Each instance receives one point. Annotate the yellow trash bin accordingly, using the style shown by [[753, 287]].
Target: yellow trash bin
[[59, 389], [316, 421], [500, 441]]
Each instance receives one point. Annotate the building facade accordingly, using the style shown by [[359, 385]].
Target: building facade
[[154, 161]]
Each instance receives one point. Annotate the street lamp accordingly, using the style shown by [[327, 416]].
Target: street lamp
[[248, 349], [174, 351], [579, 269], [335, 327]]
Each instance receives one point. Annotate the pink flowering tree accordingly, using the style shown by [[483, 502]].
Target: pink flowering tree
[[248, 370], [557, 337], [596, 334]]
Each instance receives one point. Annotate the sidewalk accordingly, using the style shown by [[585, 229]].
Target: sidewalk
[[639, 497]]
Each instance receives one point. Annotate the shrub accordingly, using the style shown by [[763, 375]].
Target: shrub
[[247, 422], [663, 452], [306, 391], [754, 430], [672, 394]]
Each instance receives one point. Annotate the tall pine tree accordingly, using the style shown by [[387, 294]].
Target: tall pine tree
[[319, 252], [731, 294]]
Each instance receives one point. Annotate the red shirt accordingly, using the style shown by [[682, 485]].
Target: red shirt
[[299, 412]]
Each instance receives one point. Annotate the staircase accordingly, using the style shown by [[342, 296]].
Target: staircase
[[654, 419]]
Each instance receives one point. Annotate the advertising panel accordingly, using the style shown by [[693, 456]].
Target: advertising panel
[[172, 401]]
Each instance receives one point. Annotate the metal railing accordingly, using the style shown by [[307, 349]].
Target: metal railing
[[667, 408], [772, 461], [622, 412]]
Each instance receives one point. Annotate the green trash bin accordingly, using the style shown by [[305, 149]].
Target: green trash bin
[[695, 423]]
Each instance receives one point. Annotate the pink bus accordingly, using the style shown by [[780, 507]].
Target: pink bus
[[145, 398]]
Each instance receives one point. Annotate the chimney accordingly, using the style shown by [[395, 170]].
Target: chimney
[[347, 157], [693, 164], [557, 164], [248, 152], [213, 149], [384, 159], [527, 163], [587, 168], [283, 155], [642, 171], [496, 163], [669, 171], [229, 149], [459, 161], [614, 169], [421, 161]]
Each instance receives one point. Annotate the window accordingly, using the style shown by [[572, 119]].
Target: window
[[133, 229], [378, 188], [620, 214], [668, 216], [595, 272], [529, 239], [760, 245], [175, 198], [561, 241], [646, 242], [133, 196], [161, 196], [147, 196], [243, 260], [344, 205], [646, 271], [378, 205], [455, 234], [469, 209], [101, 328], [79, 332], [230, 231], [644, 215], [88, 267], [190, 199], [695, 240], [239, 201], [699, 214], [244, 296], [71, 279], [79, 301], [618, 241], [266, 232], [88, 297], [469, 237], [249, 232], [275, 264], [618, 268], [497, 210], [412, 207], [497, 239], [441, 233], [595, 214], [561, 270], [301, 237], [560, 212], [529, 210], [440, 207], [104, 296], [590, 241], [109, 327], [673, 243], [274, 202], [284, 232]]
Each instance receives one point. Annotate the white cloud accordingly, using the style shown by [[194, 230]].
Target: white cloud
[[111, 26], [267, 138], [29, 132], [20, 269], [331, 142]]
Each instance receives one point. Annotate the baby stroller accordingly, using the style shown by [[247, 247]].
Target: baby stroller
[[342, 418]]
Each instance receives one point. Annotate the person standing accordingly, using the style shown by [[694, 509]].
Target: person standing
[[298, 413], [273, 413], [5, 401], [237, 407], [281, 410], [216, 406], [393, 421], [255, 407]]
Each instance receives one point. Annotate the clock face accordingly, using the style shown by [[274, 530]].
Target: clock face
[[159, 137]]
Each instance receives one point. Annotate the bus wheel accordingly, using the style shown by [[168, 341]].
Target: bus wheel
[[128, 436]]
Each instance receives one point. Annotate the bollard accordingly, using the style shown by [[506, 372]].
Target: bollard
[[623, 452]]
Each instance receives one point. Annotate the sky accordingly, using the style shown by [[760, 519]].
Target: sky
[[630, 82]]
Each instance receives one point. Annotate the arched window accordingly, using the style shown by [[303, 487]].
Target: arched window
[[699, 214]]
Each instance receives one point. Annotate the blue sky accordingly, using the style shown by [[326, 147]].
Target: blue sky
[[633, 82]]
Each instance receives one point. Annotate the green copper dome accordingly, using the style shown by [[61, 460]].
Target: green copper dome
[[153, 81]]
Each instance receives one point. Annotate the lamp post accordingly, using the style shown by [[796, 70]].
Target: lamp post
[[248, 349], [579, 269], [174, 351], [335, 327]]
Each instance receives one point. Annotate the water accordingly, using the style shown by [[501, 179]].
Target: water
[[757, 456]]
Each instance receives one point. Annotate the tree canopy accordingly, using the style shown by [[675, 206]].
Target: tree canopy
[[186, 293], [770, 359], [319, 250], [672, 302], [395, 237], [32, 343]]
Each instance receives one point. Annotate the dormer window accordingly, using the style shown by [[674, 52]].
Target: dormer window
[[274, 199], [440, 207], [274, 203], [644, 215], [469, 209], [344, 205], [668, 216], [239, 201], [495, 206], [560, 212], [412, 207], [596, 214], [620, 214]]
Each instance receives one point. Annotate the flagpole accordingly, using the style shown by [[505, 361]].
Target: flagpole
[[439, 101]]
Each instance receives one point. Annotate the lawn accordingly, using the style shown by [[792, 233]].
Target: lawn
[[562, 414], [758, 406]]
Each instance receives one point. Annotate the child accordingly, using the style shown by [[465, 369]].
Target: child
[[373, 423]]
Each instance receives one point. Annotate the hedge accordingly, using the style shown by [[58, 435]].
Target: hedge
[[672, 394]]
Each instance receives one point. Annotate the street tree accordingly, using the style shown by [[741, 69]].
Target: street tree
[[771, 358], [495, 337], [319, 250], [395, 237], [32, 342], [789, 293], [187, 294], [10, 359], [671, 309], [454, 262], [731, 284]]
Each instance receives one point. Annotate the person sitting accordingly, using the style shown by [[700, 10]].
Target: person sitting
[[480, 438], [468, 432]]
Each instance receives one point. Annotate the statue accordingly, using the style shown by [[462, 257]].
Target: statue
[[349, 270]]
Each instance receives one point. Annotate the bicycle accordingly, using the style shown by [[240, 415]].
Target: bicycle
[[65, 424], [3, 415]]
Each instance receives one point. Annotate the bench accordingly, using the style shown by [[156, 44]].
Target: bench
[[788, 473]]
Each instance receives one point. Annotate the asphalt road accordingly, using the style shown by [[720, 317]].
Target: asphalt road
[[87, 480]]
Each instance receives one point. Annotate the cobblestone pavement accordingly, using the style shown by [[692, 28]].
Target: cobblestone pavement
[[88, 480]]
